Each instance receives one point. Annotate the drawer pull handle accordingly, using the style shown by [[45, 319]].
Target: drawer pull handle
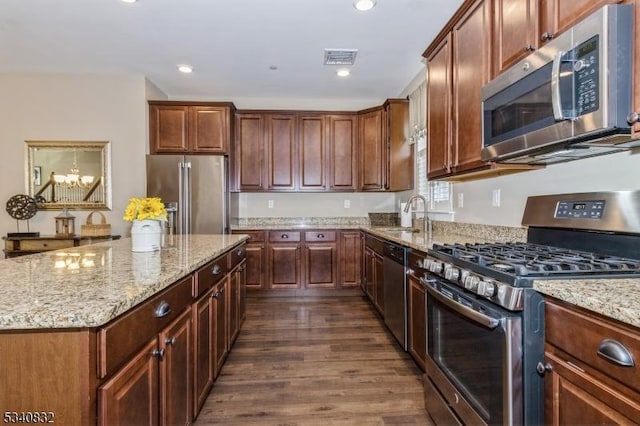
[[170, 341], [239, 252], [320, 235], [615, 352], [284, 236], [215, 295], [163, 309], [216, 269], [158, 353]]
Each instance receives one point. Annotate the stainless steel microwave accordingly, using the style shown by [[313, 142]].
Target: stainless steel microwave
[[569, 99]]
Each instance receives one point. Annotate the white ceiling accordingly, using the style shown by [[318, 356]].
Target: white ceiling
[[230, 43]]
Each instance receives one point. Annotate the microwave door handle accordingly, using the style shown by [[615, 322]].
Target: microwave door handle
[[465, 311], [556, 99]]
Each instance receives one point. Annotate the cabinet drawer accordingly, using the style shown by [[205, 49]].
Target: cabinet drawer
[[44, 245], [320, 236], [254, 236], [118, 340], [284, 236], [211, 273], [237, 255], [374, 244], [581, 335]]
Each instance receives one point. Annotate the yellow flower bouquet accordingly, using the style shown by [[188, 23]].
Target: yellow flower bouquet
[[150, 208]]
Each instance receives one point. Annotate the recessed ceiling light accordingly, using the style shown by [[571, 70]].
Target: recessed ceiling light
[[185, 68], [364, 5], [128, 1], [343, 72]]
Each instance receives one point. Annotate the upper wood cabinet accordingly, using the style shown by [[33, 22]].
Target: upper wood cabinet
[[457, 69], [342, 140], [515, 31], [250, 167], [281, 141], [312, 152], [190, 127], [386, 159]]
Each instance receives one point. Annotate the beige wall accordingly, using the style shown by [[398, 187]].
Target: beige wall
[[73, 107]]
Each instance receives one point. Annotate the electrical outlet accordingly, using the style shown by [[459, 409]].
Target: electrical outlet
[[495, 198], [347, 204], [270, 204], [460, 200]]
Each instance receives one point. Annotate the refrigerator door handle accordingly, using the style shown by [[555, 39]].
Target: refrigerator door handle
[[187, 196], [181, 211]]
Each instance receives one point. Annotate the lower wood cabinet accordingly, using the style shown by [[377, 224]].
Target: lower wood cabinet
[[315, 259], [585, 382], [417, 344], [155, 384], [374, 272], [221, 326]]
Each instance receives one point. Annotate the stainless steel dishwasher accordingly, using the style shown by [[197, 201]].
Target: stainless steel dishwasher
[[395, 291]]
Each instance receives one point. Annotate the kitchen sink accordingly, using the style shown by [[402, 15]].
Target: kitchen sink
[[397, 229]]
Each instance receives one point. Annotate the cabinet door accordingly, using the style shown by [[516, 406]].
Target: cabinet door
[[233, 303], [471, 70], [439, 83], [350, 262], [312, 153], [557, 16], [203, 367], [372, 151], [417, 322], [255, 266], [284, 265], [320, 265], [573, 397], [378, 278], [636, 74], [515, 31], [281, 153], [242, 278], [131, 396], [175, 372], [221, 309], [250, 151], [343, 151], [400, 161], [209, 129], [168, 128]]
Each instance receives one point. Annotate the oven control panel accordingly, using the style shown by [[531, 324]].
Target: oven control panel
[[580, 209]]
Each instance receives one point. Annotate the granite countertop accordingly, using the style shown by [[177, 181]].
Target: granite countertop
[[89, 286]]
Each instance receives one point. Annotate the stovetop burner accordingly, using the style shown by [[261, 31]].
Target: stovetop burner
[[534, 260]]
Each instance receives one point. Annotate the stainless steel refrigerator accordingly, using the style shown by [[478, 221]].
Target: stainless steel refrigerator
[[198, 185]]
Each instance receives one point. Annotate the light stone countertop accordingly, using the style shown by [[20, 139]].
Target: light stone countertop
[[36, 294]]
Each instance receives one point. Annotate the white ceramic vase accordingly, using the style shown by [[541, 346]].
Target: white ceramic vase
[[146, 235]]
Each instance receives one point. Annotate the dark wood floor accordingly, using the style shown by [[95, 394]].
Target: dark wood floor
[[315, 361]]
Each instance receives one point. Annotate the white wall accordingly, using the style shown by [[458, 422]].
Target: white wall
[[314, 204], [612, 172], [74, 107]]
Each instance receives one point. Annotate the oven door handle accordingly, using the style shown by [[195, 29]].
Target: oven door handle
[[467, 312]]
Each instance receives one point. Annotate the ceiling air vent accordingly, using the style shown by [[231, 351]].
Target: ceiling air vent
[[340, 56]]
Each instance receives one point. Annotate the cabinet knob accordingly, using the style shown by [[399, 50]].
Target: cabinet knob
[[320, 235], [529, 48], [158, 353], [216, 269], [170, 341], [162, 310], [546, 36], [544, 368], [215, 295], [284, 236], [633, 118], [239, 252]]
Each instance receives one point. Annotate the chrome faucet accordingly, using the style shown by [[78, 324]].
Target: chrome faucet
[[427, 227]]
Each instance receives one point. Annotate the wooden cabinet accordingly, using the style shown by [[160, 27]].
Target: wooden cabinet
[[386, 159], [281, 143], [283, 259], [20, 246], [417, 344], [221, 328], [515, 31], [582, 386], [320, 259], [350, 259], [312, 151], [374, 271], [203, 347], [250, 166], [342, 165], [190, 127]]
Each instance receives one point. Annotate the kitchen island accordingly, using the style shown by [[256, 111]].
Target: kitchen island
[[72, 321]]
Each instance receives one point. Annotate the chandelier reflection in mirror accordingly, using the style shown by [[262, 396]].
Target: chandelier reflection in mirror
[[73, 178]]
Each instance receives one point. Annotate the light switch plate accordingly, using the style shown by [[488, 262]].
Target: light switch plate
[[495, 198], [347, 204], [460, 200], [270, 204]]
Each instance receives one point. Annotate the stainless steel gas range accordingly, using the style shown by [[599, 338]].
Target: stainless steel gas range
[[485, 323]]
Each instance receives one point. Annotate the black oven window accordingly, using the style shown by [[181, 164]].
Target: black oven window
[[471, 356]]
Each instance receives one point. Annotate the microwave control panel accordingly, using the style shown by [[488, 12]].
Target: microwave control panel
[[586, 63], [580, 209]]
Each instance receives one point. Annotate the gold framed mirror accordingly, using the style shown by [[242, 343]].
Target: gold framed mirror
[[69, 174]]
